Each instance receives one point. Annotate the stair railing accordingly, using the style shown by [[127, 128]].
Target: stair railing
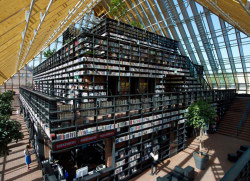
[[240, 170], [243, 117], [195, 74]]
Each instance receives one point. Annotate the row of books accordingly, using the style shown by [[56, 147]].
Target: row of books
[[63, 136], [105, 111], [121, 109], [65, 115], [120, 163], [104, 60], [145, 65], [140, 133], [107, 67], [87, 105], [155, 148], [147, 145], [106, 103], [92, 130], [133, 163], [87, 113], [144, 106], [95, 72], [139, 127]]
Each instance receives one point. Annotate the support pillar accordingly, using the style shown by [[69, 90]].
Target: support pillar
[[108, 152]]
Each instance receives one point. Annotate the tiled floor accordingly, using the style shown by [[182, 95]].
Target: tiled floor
[[13, 166], [216, 145]]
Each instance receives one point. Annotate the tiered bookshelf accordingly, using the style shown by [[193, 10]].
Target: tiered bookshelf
[[117, 82]]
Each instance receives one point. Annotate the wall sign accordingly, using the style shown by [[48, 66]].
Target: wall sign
[[85, 139], [65, 144], [106, 134], [88, 139]]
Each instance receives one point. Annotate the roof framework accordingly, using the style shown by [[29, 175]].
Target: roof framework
[[27, 26], [213, 35]]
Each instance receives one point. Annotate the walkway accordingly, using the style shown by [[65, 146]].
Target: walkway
[[13, 166], [217, 146]]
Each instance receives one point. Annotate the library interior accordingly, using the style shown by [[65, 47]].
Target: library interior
[[111, 90]]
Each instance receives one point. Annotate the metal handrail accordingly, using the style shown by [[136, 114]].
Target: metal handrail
[[243, 117], [194, 73], [235, 172]]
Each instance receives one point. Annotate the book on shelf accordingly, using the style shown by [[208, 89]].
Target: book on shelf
[[120, 163]]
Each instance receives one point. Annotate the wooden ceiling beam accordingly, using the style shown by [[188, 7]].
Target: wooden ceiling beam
[[230, 11], [40, 45]]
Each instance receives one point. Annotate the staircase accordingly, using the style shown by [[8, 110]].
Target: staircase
[[229, 124]]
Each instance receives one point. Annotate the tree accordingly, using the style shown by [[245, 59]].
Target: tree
[[5, 103], [199, 114], [9, 131], [118, 9], [137, 24]]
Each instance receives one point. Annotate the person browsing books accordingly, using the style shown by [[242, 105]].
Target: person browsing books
[[155, 157]]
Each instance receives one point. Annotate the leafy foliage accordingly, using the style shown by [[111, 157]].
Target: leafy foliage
[[137, 24], [48, 53], [199, 114], [69, 40], [5, 103], [9, 129], [118, 8]]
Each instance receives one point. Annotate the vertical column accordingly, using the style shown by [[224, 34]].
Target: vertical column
[[40, 58], [12, 83], [108, 152], [26, 75], [4, 87], [46, 150], [18, 78]]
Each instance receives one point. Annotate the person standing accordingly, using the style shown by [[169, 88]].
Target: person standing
[[27, 157], [155, 157]]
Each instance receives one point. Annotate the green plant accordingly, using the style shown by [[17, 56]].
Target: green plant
[[5, 103], [136, 24], [9, 131], [118, 9], [199, 114], [48, 53], [69, 40]]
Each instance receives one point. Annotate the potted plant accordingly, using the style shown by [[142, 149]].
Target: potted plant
[[49, 53], [200, 114]]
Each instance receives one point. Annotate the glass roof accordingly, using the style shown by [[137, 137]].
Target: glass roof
[[223, 50], [207, 40]]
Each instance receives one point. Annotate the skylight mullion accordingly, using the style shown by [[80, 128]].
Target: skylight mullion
[[155, 19], [163, 19], [170, 25], [131, 10], [229, 52], [242, 58], [205, 42], [145, 14], [193, 36], [134, 8], [216, 45]]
